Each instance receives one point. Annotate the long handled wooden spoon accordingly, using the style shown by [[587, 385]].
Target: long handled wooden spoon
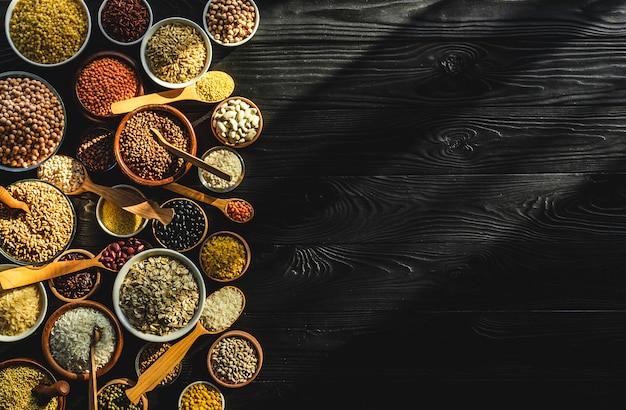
[[219, 203], [163, 97], [7, 199], [188, 157], [93, 384]]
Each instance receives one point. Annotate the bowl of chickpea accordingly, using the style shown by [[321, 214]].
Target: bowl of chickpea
[[231, 26]]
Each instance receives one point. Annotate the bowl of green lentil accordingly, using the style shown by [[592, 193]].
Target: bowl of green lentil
[[42, 123], [48, 33], [201, 392], [224, 256], [18, 377], [112, 396]]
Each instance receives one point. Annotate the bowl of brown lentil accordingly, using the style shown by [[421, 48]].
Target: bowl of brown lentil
[[175, 52], [19, 376], [224, 256], [43, 123], [22, 310], [235, 359], [138, 153], [124, 22], [48, 33], [231, 26], [236, 122], [102, 79], [112, 396], [201, 392], [77, 285]]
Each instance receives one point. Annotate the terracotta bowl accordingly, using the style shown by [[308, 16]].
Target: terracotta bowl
[[162, 110], [231, 234], [235, 334], [45, 339], [92, 290], [215, 119], [22, 362], [126, 383]]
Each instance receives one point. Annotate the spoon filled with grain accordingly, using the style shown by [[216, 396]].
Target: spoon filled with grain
[[14, 204]]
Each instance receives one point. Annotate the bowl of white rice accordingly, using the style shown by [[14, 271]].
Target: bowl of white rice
[[22, 310], [67, 337]]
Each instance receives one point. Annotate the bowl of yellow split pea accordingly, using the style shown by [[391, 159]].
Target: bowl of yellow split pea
[[116, 221], [47, 33]]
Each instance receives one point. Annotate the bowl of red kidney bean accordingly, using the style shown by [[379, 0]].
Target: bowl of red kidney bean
[[78, 285], [102, 79], [186, 230], [139, 154], [117, 253]]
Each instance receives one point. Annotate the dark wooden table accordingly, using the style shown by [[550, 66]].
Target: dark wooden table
[[440, 195]]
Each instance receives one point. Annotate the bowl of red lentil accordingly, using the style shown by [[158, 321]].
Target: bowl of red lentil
[[179, 37], [231, 26], [102, 79], [201, 392], [19, 376], [139, 154], [124, 22], [43, 123], [32, 29], [77, 285], [235, 359], [236, 122], [95, 149], [224, 256]]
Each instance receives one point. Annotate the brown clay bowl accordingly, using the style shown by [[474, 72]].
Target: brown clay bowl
[[206, 249], [163, 111], [52, 282], [215, 119], [235, 334], [45, 339], [22, 362], [126, 383]]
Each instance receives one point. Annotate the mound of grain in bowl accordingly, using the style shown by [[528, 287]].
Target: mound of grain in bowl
[[19, 309], [48, 31], [215, 86], [159, 295], [62, 171], [222, 308], [176, 53], [16, 385], [225, 160], [223, 256], [95, 150], [234, 360], [230, 21], [70, 339], [29, 132], [125, 20], [142, 153], [43, 233]]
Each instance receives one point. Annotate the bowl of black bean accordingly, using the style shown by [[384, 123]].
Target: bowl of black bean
[[187, 229]]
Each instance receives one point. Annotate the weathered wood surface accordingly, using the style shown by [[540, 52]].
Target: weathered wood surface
[[440, 196]]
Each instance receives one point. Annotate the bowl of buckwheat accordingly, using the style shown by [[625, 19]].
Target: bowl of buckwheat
[[159, 295], [231, 26]]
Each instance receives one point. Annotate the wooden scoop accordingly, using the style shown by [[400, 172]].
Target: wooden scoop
[[163, 97], [188, 157], [44, 393], [126, 199], [27, 275], [7, 199], [219, 203], [93, 384]]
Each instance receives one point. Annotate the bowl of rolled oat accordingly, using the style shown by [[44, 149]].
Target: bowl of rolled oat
[[175, 52], [159, 295]]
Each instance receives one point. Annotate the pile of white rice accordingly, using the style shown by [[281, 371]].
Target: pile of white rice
[[222, 308]]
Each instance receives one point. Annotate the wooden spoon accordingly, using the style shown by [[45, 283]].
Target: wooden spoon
[[129, 200], [188, 157], [163, 97], [93, 384], [7, 199], [219, 203], [44, 393]]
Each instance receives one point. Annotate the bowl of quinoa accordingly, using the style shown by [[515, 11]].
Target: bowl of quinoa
[[47, 33], [42, 123], [41, 235], [18, 377]]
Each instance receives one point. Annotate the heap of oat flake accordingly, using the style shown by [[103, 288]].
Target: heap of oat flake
[[222, 308]]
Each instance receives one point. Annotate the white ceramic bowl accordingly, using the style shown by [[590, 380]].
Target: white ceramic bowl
[[43, 309], [211, 385], [150, 33], [222, 43], [117, 285], [107, 230], [121, 43], [7, 19]]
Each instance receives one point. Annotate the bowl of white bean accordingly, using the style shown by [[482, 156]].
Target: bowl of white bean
[[231, 26], [236, 122]]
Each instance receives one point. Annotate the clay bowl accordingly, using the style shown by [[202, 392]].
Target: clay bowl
[[46, 336], [217, 117], [232, 334], [22, 362], [65, 297], [125, 384], [161, 110], [206, 252]]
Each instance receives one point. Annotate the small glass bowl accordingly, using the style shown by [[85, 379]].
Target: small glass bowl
[[99, 216], [208, 385], [94, 272], [257, 19], [215, 183], [158, 348], [126, 383], [106, 34], [95, 150]]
